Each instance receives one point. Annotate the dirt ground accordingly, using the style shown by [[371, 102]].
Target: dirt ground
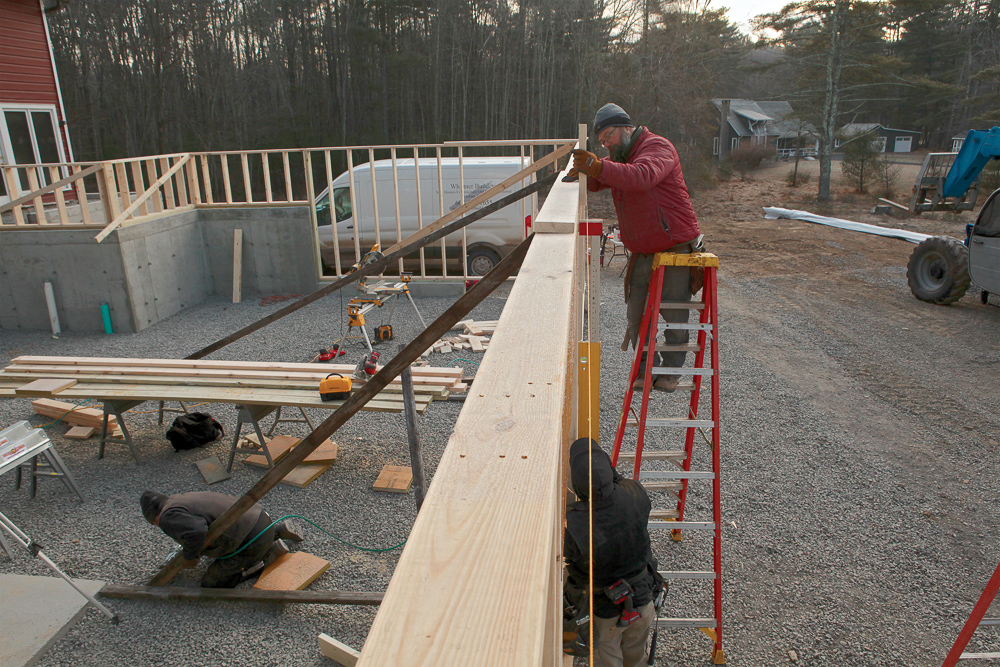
[[861, 435]]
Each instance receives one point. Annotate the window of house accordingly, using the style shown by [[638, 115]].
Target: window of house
[[715, 146]]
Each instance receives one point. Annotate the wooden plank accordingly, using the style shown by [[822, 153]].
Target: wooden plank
[[80, 432], [292, 572], [239, 595], [60, 198], [212, 470], [44, 387], [340, 653], [495, 503], [325, 453], [237, 265], [302, 476], [278, 446], [72, 414], [394, 479]]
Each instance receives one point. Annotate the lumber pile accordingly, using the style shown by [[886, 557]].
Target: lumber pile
[[475, 338], [478, 328], [72, 414], [252, 383], [279, 446]]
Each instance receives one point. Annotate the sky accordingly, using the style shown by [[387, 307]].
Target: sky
[[741, 11]]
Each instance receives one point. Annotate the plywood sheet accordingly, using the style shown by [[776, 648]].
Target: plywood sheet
[[325, 453], [394, 479], [212, 470], [292, 572]]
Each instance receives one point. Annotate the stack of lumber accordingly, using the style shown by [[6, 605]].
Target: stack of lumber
[[478, 328], [460, 342], [291, 384], [72, 414]]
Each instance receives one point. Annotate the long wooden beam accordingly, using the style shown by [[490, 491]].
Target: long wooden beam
[[399, 250], [507, 266], [479, 580], [239, 595]]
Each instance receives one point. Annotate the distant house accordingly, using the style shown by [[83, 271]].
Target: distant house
[[889, 140], [771, 123], [32, 118]]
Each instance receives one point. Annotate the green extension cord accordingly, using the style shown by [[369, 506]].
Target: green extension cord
[[298, 516]]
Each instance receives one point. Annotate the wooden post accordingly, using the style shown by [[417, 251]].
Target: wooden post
[[237, 265], [413, 435]]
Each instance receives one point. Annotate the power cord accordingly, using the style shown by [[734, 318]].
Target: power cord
[[299, 516]]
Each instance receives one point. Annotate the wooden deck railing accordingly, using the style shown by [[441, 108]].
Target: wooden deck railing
[[119, 193]]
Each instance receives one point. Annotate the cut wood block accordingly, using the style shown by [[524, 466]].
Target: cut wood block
[[292, 572], [212, 470], [303, 475], [325, 453], [477, 344], [278, 446], [44, 387], [394, 479], [445, 348], [340, 653], [80, 432]]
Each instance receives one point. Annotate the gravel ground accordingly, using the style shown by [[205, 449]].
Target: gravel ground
[[860, 452]]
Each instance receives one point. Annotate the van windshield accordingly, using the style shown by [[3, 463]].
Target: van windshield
[[341, 206]]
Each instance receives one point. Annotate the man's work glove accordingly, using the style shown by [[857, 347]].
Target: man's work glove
[[587, 162]]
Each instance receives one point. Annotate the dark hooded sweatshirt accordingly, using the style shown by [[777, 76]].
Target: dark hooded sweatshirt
[[621, 536], [186, 517]]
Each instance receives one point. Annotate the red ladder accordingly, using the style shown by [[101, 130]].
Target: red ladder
[[675, 481], [976, 620]]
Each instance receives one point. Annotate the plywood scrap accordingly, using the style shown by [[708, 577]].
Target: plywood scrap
[[278, 446], [44, 387], [80, 432], [212, 470], [340, 653], [303, 475], [292, 572], [394, 479], [325, 453]]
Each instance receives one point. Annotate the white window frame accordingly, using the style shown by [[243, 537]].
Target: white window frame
[[734, 144], [7, 147], [715, 145]]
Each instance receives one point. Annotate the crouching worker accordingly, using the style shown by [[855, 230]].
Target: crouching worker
[[625, 576], [185, 517]]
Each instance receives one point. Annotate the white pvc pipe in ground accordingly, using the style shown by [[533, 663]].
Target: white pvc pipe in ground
[[50, 299]]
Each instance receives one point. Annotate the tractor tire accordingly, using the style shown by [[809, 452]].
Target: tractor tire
[[938, 270]]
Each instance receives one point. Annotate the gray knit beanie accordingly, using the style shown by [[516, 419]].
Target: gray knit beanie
[[151, 503], [611, 115]]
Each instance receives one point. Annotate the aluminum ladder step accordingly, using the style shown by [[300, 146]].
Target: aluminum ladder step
[[663, 515], [689, 574], [681, 386], [667, 370], [675, 474], [682, 525], [685, 347], [662, 486], [682, 305], [693, 326], [652, 456], [685, 623], [676, 422], [979, 656]]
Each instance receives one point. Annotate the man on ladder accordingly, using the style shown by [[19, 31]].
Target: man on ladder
[[654, 215]]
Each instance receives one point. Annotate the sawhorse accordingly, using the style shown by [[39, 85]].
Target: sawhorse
[[19, 443], [116, 408]]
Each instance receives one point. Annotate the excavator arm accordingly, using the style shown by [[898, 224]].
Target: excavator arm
[[979, 148]]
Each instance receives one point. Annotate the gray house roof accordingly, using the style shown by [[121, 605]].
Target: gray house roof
[[774, 119]]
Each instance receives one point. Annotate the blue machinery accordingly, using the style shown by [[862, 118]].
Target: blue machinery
[[950, 181]]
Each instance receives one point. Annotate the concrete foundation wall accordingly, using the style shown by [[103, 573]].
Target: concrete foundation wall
[[150, 271]]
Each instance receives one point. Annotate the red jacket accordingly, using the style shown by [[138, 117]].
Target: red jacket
[[651, 198]]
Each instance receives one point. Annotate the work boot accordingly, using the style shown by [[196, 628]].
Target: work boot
[[277, 549], [667, 383], [289, 530]]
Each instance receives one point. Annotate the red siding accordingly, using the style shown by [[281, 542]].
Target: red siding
[[26, 71], [26, 74]]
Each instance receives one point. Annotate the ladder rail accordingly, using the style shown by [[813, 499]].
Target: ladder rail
[[975, 619], [652, 316]]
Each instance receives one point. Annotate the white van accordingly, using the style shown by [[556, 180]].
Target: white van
[[488, 239]]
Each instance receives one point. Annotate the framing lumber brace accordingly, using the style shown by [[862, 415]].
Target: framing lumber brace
[[239, 595], [352, 405]]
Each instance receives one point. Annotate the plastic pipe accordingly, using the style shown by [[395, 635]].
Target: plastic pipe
[[106, 315], [50, 300]]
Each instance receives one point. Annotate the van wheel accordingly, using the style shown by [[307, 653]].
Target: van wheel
[[482, 261]]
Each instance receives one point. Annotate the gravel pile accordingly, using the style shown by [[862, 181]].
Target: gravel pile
[[859, 508]]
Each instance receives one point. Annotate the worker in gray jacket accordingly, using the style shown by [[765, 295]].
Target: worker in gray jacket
[[185, 517]]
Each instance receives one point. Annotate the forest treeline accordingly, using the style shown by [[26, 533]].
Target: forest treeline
[[177, 75]]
